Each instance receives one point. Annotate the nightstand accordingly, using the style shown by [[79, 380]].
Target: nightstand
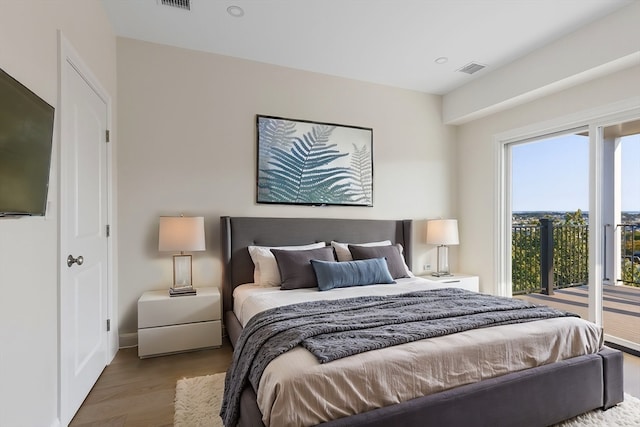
[[175, 324], [463, 281]]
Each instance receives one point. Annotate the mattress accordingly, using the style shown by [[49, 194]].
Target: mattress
[[296, 390], [250, 299]]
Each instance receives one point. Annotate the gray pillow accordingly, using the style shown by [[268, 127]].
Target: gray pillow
[[295, 266], [391, 253], [351, 273]]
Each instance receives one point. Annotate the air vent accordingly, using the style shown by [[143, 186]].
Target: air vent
[[471, 68], [180, 4]]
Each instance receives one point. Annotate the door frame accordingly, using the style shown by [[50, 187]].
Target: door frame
[[68, 54], [594, 120]]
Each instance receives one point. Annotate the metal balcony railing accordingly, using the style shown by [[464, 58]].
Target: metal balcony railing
[[547, 256], [630, 251]]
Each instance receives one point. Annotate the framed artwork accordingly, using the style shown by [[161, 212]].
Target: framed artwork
[[313, 163]]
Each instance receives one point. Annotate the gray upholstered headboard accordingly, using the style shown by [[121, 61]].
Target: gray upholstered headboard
[[239, 232]]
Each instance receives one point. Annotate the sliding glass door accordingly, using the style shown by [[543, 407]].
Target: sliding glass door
[[550, 220], [569, 223]]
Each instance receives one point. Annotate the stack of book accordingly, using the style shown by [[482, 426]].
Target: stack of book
[[182, 291]]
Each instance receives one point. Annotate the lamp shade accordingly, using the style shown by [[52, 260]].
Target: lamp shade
[[442, 232], [181, 233]]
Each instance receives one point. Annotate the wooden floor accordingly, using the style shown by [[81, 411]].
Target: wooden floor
[[621, 315], [140, 393]]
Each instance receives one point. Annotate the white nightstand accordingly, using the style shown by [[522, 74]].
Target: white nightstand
[[463, 281], [174, 324]]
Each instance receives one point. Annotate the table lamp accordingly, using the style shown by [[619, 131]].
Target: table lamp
[[181, 234], [442, 232]]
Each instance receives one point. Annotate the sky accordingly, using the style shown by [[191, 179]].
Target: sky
[[553, 174]]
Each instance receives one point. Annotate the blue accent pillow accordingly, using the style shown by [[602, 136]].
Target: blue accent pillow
[[351, 273]]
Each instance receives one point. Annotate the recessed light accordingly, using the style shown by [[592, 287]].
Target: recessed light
[[235, 11], [441, 60]]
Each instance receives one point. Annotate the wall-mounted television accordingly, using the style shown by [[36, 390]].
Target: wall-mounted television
[[26, 137]]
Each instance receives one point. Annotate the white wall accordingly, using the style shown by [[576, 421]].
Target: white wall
[[29, 258], [476, 158], [187, 144]]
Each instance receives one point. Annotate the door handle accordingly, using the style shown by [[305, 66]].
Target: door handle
[[71, 260]]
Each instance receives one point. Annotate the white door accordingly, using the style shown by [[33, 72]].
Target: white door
[[83, 221]]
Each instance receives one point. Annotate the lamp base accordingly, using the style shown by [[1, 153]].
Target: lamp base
[[181, 271], [443, 262], [185, 288], [441, 274], [182, 291]]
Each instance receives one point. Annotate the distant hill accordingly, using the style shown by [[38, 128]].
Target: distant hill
[[532, 217]]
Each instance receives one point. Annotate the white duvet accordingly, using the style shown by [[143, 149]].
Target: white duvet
[[296, 390]]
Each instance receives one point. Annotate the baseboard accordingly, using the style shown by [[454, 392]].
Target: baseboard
[[128, 340], [55, 423]]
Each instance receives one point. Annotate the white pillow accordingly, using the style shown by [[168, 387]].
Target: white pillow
[[343, 253], [265, 272]]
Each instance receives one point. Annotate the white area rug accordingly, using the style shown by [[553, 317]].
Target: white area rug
[[198, 402]]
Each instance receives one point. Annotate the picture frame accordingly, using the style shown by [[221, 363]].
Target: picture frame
[[305, 162]]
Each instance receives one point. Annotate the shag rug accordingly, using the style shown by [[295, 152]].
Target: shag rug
[[198, 401]]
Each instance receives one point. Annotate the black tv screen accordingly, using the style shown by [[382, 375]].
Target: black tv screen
[[26, 135]]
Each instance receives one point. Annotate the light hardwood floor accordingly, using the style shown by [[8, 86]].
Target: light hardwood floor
[[140, 393], [632, 375]]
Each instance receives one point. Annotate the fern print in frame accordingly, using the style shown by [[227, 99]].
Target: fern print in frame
[[313, 163]]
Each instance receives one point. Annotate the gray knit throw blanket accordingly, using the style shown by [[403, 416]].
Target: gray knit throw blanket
[[335, 329]]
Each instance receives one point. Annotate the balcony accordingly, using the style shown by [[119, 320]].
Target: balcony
[[621, 307], [550, 266]]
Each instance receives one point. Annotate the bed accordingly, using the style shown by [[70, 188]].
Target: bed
[[536, 396]]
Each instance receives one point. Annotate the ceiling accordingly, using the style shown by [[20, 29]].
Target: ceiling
[[390, 42]]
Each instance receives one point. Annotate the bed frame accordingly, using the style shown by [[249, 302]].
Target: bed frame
[[534, 397]]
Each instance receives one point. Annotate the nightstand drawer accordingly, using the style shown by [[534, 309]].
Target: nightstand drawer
[[176, 338], [462, 281], [156, 308], [468, 283]]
